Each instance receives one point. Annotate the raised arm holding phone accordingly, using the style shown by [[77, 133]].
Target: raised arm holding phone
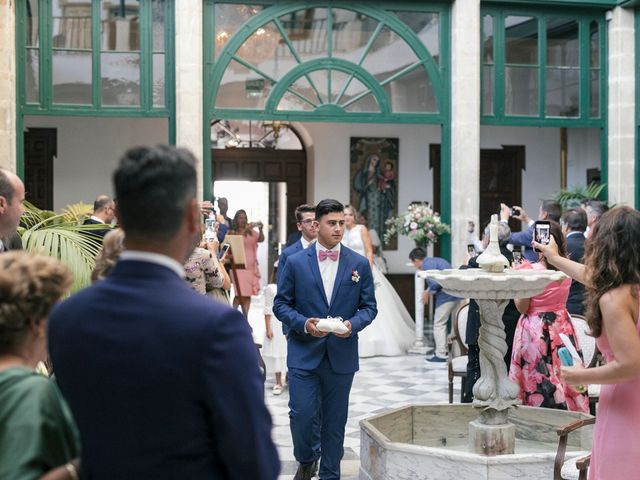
[[611, 274]]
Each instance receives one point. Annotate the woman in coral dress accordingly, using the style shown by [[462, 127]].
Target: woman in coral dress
[[535, 365], [611, 274], [248, 277]]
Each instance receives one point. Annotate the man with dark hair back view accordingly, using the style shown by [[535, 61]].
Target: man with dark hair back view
[[11, 208], [574, 224], [104, 211], [549, 210], [163, 382]]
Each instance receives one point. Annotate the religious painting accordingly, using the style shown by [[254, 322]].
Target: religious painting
[[374, 183]]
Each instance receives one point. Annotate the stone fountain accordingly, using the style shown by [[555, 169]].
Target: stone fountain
[[493, 438]]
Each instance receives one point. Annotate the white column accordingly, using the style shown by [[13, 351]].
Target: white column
[[7, 85], [465, 123], [621, 165], [189, 85]]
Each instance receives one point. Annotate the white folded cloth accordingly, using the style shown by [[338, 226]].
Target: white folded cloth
[[332, 325]]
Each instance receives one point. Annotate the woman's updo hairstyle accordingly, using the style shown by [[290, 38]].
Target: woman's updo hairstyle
[[29, 287]]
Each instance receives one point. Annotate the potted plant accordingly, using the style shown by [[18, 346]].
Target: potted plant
[[62, 236]]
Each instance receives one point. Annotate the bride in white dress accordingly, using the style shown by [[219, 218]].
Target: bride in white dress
[[392, 331]]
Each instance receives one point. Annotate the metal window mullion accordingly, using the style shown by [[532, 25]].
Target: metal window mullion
[[584, 45], [146, 55], [169, 68], [329, 49], [96, 50], [45, 26], [542, 65], [499, 59]]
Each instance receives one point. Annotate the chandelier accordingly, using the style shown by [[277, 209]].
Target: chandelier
[[262, 43]]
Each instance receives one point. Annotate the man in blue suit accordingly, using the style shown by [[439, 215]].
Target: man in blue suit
[[307, 228], [325, 280], [163, 382], [549, 210]]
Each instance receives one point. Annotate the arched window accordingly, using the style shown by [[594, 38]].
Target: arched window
[[327, 60]]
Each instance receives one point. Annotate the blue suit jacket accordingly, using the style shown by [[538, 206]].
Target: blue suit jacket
[[523, 239], [301, 296], [286, 253], [163, 382]]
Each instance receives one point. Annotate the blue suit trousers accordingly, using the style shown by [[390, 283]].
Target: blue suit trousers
[[319, 397]]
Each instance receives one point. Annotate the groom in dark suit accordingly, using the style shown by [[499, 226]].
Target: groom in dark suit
[[163, 382], [325, 280]]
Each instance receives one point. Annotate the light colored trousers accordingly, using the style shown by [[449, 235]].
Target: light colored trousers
[[440, 320]]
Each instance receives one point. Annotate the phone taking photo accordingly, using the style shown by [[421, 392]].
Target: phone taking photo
[[224, 250], [471, 250], [542, 232]]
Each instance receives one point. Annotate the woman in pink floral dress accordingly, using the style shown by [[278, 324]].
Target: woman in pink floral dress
[[535, 365]]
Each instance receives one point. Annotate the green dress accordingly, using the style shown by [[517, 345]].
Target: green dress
[[37, 431]]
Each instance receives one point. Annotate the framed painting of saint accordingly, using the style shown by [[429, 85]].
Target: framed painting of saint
[[374, 182]]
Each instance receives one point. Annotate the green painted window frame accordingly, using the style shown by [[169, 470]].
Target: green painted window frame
[[213, 72], [382, 11], [45, 107], [584, 19], [637, 113]]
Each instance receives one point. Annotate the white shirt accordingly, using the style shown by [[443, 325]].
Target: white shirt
[[328, 269], [156, 258], [99, 220], [304, 243]]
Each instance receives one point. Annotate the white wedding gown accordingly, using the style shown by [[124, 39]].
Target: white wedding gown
[[392, 332]]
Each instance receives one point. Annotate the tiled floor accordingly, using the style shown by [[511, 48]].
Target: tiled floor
[[381, 384]]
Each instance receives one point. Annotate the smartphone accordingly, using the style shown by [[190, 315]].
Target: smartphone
[[515, 211], [471, 250], [517, 256], [542, 232], [565, 357], [224, 250]]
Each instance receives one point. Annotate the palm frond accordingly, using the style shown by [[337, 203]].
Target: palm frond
[[571, 198], [77, 211]]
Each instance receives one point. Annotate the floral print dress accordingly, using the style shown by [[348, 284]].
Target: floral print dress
[[535, 365]]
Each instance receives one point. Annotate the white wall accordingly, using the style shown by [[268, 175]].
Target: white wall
[[328, 168], [89, 150], [583, 152]]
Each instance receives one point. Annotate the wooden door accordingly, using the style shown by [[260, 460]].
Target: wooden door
[[40, 147], [266, 165], [501, 181]]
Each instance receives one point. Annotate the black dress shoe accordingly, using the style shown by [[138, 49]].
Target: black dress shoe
[[306, 472]]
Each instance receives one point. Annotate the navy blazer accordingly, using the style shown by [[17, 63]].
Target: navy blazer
[[286, 253], [301, 296], [575, 248], [163, 382], [524, 239]]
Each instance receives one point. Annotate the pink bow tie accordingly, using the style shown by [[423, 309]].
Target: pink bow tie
[[324, 254]]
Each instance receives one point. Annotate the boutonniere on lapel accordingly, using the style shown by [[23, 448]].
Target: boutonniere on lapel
[[355, 276]]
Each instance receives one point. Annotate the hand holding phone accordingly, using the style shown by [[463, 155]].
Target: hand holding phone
[[542, 232], [223, 251]]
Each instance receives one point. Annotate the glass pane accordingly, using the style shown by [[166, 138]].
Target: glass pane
[[355, 88], [367, 103], [307, 30], [594, 93], [71, 75], [229, 19], [427, 26], [351, 33], [120, 25], [487, 39], [291, 102], [594, 44], [32, 72], [521, 40], [521, 91], [302, 87], [562, 42], [338, 81], [157, 13], [32, 23], [487, 90], [267, 50], [120, 79], [158, 80], [319, 79], [412, 93], [562, 92], [71, 24], [388, 55], [242, 88]]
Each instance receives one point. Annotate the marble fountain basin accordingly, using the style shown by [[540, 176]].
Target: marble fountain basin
[[430, 442]]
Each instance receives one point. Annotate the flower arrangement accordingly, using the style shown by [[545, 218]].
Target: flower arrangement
[[419, 222]]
